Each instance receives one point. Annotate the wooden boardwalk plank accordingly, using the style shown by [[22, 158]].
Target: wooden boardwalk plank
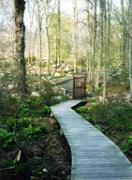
[[94, 156]]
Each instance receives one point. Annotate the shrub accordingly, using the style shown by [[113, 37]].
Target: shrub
[[31, 130], [6, 138], [33, 107], [127, 148], [18, 123]]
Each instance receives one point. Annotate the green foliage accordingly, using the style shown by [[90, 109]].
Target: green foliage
[[6, 163], [24, 123], [82, 109], [33, 107], [30, 131], [98, 127], [6, 138], [117, 114], [18, 123], [127, 148]]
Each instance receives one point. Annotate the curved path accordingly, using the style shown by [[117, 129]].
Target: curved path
[[94, 156]]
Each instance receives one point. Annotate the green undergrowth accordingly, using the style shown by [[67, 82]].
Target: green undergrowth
[[114, 118], [30, 145]]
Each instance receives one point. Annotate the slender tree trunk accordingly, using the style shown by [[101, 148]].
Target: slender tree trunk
[[109, 29], [46, 10], [101, 32], [103, 43], [105, 52], [96, 78], [123, 44], [58, 35], [88, 62], [40, 36], [30, 38], [19, 6], [130, 46], [75, 36]]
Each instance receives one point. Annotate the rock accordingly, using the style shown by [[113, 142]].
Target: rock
[[43, 90], [127, 97], [15, 95], [58, 98], [63, 172], [1, 74], [11, 86], [64, 91], [56, 74], [51, 115], [100, 98], [35, 94], [45, 170], [55, 89]]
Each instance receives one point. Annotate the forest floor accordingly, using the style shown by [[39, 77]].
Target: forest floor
[[46, 156], [31, 146]]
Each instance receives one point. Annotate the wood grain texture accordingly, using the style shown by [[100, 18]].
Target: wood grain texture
[[94, 156]]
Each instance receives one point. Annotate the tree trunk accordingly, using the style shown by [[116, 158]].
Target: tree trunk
[[75, 36], [103, 43], [30, 38], [88, 65], [123, 43], [104, 51], [96, 78], [58, 35], [19, 6], [46, 10], [40, 35], [130, 46]]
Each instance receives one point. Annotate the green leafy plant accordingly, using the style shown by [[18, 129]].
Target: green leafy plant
[[18, 123], [127, 148], [31, 130], [6, 138]]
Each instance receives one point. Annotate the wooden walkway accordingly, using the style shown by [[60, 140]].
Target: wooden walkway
[[94, 156]]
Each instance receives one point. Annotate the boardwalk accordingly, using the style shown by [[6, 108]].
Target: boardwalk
[[94, 156]]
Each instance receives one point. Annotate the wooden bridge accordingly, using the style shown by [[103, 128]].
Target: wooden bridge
[[94, 156]]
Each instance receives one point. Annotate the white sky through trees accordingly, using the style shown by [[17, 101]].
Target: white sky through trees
[[66, 7], [6, 13]]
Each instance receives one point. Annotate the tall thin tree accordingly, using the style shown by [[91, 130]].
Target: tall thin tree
[[130, 46], [39, 19], [58, 34], [19, 6], [46, 11], [75, 44]]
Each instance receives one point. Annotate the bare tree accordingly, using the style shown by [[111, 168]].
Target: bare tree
[[58, 35], [31, 11], [130, 46], [39, 19], [123, 43], [75, 46], [19, 6], [46, 11], [88, 63]]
